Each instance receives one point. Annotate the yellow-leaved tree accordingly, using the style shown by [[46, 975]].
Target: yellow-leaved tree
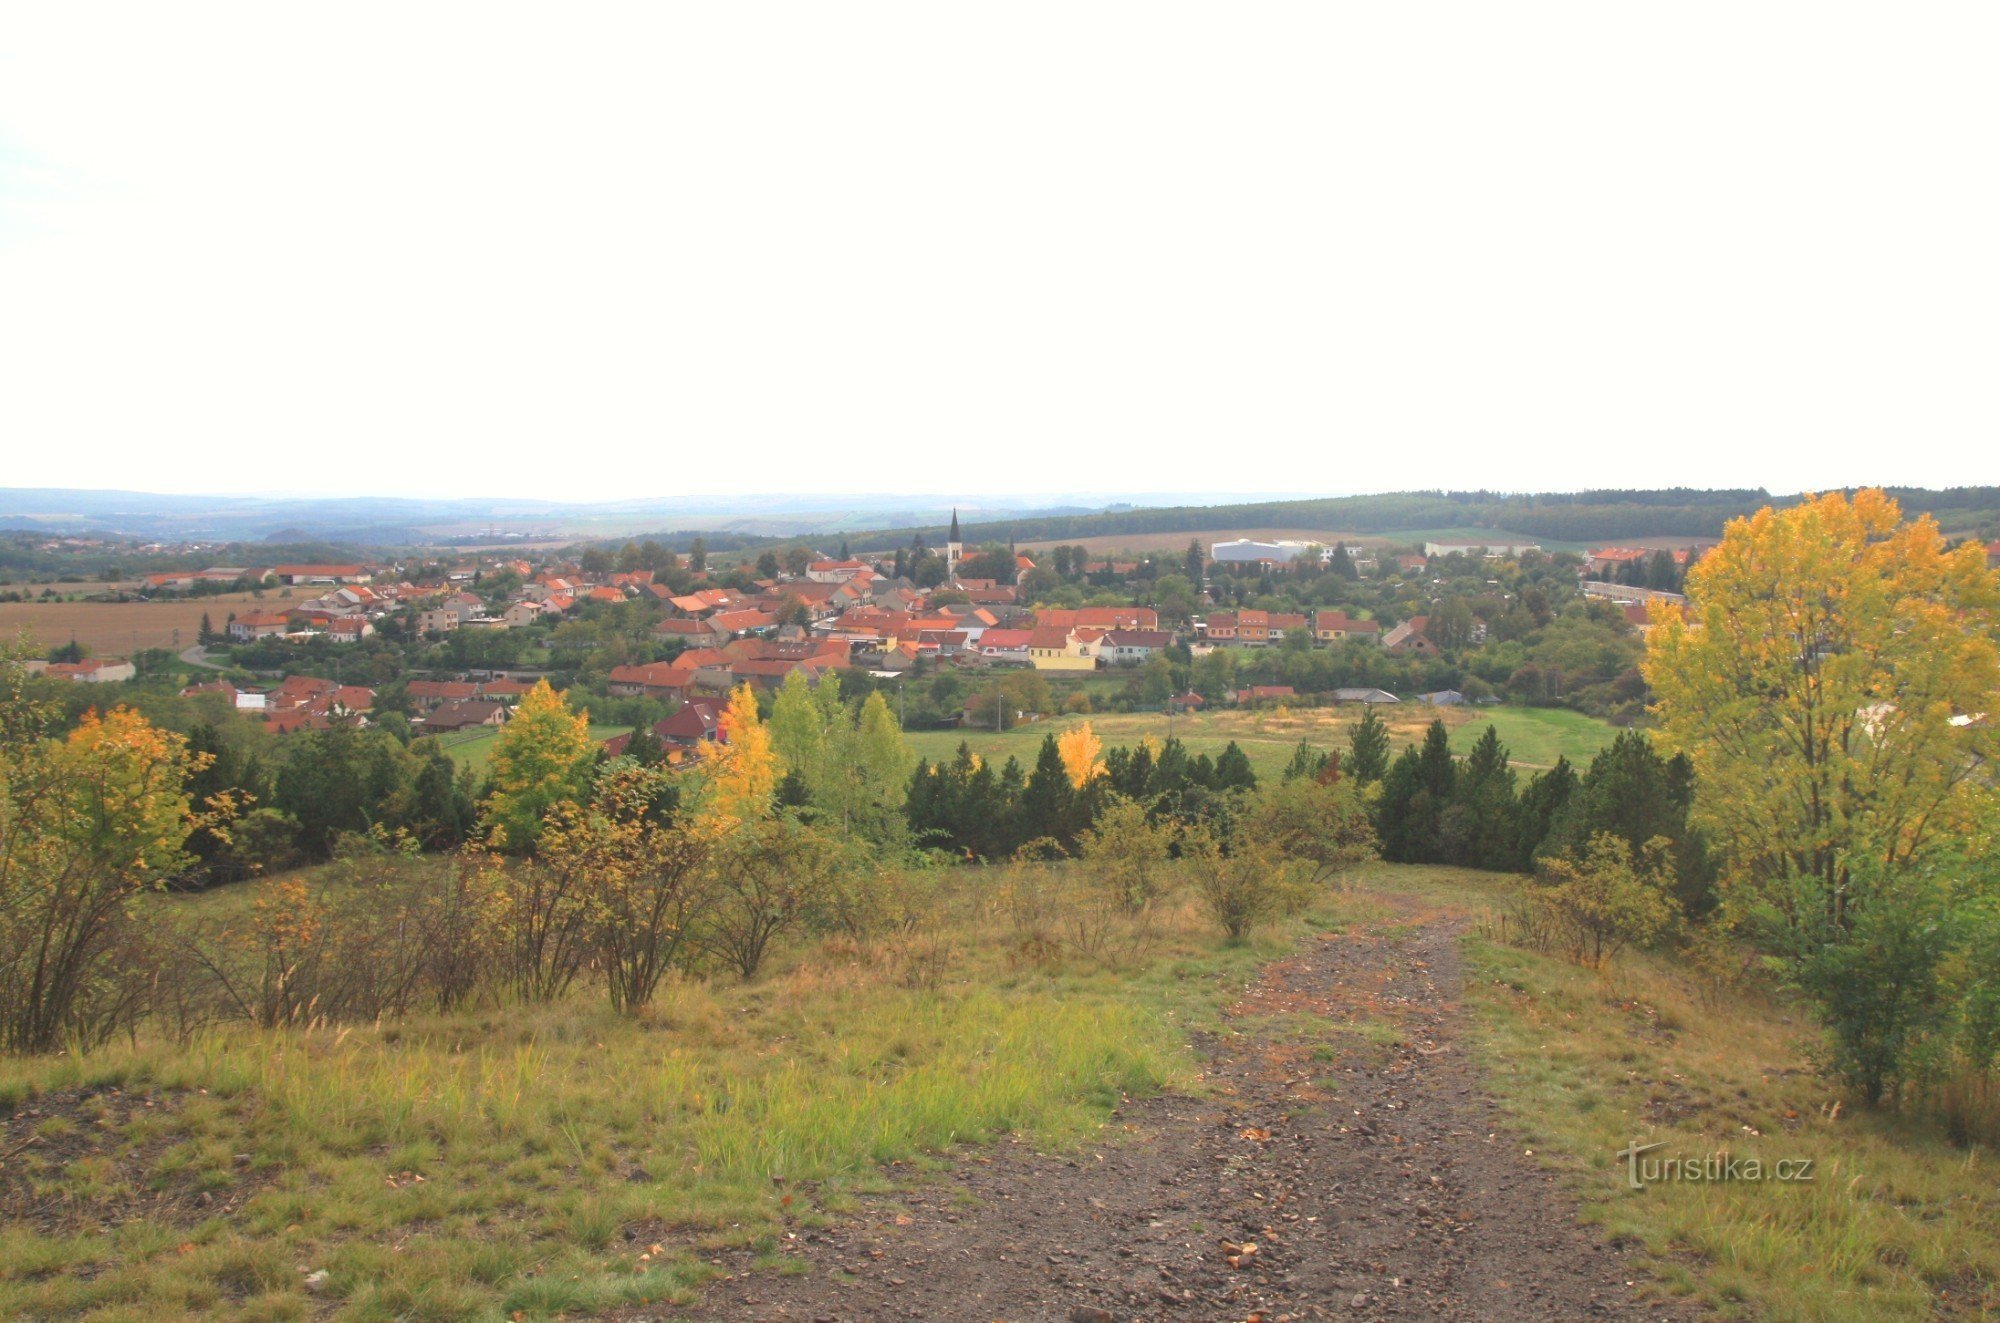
[[86, 822], [1837, 690], [542, 758], [743, 771], [1080, 748]]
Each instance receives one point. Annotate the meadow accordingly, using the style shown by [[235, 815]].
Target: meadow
[[1535, 737], [528, 1161]]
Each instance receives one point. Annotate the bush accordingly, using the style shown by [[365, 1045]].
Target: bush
[[1244, 887], [1589, 906]]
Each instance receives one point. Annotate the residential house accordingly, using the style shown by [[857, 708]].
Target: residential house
[[836, 571], [1334, 626], [465, 714], [1130, 647], [1442, 698], [1409, 639], [254, 625], [1005, 645], [437, 620], [664, 680], [296, 574], [1364, 695], [1057, 648], [92, 670], [1100, 617], [1251, 628], [427, 694], [522, 614], [348, 629]]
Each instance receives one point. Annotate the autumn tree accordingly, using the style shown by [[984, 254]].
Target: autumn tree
[[743, 770], [86, 822], [1833, 692], [541, 759]]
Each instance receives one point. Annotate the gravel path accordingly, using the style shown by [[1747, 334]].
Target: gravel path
[[1345, 1163]]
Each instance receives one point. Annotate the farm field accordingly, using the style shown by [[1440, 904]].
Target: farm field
[[118, 629], [1535, 737], [474, 748]]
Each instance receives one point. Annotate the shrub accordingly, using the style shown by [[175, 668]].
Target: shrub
[[1244, 887], [1590, 906]]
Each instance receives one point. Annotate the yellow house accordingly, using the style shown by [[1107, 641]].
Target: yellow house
[[1053, 648]]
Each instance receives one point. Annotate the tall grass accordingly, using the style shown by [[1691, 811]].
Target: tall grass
[[493, 1161]]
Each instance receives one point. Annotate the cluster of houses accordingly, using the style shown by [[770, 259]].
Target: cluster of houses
[[299, 702]]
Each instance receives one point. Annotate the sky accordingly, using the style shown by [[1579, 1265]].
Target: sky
[[604, 251]]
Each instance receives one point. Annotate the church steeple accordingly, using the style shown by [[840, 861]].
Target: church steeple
[[953, 547], [954, 525]]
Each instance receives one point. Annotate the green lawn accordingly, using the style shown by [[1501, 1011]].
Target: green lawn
[[1534, 736]]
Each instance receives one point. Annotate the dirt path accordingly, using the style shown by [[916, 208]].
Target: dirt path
[[1346, 1165]]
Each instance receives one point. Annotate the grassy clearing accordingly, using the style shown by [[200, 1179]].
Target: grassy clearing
[[526, 1161], [1535, 736], [1896, 1223]]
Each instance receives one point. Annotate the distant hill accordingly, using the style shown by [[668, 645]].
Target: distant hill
[[1553, 517]]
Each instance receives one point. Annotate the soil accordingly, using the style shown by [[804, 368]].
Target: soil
[[1342, 1161]]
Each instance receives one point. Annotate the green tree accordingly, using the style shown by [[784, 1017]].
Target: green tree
[[1368, 747], [542, 758]]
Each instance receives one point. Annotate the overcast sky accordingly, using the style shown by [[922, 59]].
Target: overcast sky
[[590, 251]]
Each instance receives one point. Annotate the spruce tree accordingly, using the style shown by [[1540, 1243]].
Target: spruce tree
[[1048, 799], [1368, 747], [1233, 770]]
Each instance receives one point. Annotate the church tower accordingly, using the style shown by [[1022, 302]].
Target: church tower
[[953, 548]]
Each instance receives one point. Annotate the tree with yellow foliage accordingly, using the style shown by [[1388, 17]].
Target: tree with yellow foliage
[[1081, 752], [86, 822], [542, 758], [743, 772], [1836, 690]]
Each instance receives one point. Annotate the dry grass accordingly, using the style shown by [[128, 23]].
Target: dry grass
[[118, 629], [532, 1162]]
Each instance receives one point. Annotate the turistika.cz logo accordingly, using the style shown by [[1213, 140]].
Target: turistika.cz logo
[[1712, 1168]]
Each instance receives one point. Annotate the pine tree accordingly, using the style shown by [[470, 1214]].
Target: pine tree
[[1194, 563], [1048, 801], [1481, 828], [1368, 747], [1542, 802], [1233, 770]]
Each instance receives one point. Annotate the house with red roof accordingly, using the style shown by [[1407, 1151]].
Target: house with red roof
[[667, 680], [1334, 626]]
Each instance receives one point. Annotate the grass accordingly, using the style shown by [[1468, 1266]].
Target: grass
[[474, 748], [1897, 1223], [1534, 736], [524, 1161]]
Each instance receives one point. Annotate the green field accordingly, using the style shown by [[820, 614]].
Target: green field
[[1534, 736], [472, 748]]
